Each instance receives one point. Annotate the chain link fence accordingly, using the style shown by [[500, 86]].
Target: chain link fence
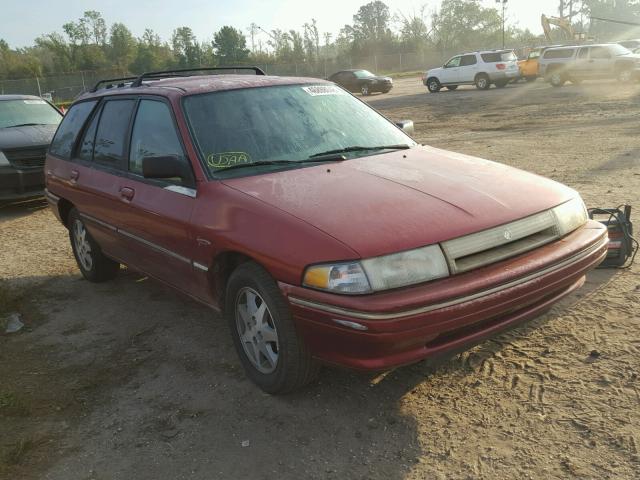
[[66, 87]]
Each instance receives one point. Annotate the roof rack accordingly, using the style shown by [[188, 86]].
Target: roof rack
[[113, 82], [184, 72]]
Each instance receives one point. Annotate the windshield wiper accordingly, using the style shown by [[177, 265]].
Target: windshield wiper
[[280, 162], [358, 148], [25, 125]]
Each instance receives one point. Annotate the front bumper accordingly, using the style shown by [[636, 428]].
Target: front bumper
[[389, 329], [16, 184]]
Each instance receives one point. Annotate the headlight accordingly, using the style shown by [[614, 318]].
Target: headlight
[[3, 160], [338, 278], [570, 215], [379, 273]]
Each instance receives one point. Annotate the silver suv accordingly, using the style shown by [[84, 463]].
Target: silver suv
[[481, 69], [577, 63]]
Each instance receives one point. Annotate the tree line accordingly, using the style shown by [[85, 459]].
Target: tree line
[[90, 44]]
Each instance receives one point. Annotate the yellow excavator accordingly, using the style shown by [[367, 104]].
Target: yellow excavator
[[564, 25], [529, 66]]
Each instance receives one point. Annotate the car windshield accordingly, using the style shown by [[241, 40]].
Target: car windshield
[[292, 123], [363, 74], [30, 111], [619, 50]]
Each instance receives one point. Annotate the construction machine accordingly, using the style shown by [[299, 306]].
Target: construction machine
[[568, 33]]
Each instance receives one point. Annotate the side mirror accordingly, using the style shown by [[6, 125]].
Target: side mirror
[[169, 166], [406, 126]]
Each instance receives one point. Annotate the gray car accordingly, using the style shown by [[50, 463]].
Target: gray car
[[585, 62], [27, 125]]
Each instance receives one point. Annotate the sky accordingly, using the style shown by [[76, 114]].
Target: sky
[[207, 16]]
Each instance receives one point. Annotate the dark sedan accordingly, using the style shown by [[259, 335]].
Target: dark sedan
[[27, 125], [362, 81]]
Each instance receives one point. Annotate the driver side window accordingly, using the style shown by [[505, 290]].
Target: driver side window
[[454, 62], [154, 134]]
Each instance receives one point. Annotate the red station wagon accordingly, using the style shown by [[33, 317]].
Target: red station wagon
[[320, 229]]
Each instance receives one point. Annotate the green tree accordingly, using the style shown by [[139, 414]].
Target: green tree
[[230, 46], [414, 32], [186, 49], [122, 46], [465, 25], [624, 10]]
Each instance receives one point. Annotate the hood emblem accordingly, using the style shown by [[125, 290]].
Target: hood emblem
[[507, 235]]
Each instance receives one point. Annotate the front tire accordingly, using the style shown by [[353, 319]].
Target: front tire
[[625, 76], [433, 84], [273, 355], [93, 264], [364, 90], [482, 82]]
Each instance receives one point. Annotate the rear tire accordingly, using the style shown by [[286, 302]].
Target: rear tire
[[93, 264], [452, 87], [557, 79], [433, 84], [364, 90], [482, 82], [273, 355]]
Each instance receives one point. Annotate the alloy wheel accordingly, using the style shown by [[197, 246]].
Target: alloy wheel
[[257, 331], [83, 247]]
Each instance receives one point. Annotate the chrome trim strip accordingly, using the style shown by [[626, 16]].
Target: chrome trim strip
[[154, 246], [99, 222], [189, 192], [417, 311], [199, 266]]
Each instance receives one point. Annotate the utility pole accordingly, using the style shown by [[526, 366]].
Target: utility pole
[[504, 7], [253, 28]]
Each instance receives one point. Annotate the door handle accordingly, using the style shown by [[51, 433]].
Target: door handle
[[127, 193], [73, 177]]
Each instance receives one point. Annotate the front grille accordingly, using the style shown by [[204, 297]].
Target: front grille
[[498, 243], [26, 158]]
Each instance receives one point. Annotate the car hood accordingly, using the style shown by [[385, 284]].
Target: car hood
[[405, 199], [27, 136], [434, 71]]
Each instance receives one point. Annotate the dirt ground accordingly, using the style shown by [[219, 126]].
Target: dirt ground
[[129, 380]]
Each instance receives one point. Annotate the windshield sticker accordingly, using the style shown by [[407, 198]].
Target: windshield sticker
[[34, 102], [323, 90], [227, 159]]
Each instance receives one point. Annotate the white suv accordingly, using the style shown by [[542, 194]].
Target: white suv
[[477, 68]]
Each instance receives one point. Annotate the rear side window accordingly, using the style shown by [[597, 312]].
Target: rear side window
[[154, 134], [495, 57], [468, 60], [559, 53], [65, 138], [583, 53], [111, 135], [600, 52]]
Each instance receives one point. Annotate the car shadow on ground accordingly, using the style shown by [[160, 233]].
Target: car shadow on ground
[[21, 208], [129, 379]]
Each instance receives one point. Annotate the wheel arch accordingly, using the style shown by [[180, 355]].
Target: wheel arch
[[222, 266], [64, 207]]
